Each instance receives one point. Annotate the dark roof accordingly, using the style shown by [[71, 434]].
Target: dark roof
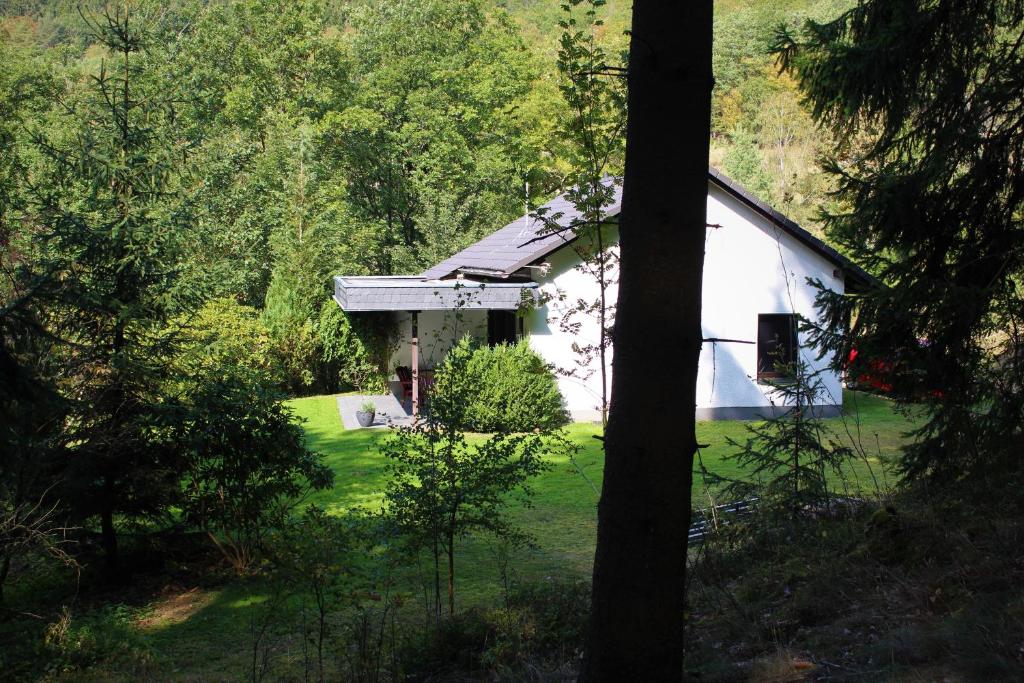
[[524, 241], [414, 293], [519, 243]]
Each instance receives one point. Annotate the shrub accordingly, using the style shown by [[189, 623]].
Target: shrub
[[316, 555], [245, 464], [297, 348], [224, 337], [540, 631], [290, 316], [107, 635], [356, 351], [559, 611], [513, 390], [455, 645]]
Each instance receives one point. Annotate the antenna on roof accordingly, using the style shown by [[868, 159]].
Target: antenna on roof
[[526, 216]]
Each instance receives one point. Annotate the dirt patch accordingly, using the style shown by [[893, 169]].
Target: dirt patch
[[175, 607]]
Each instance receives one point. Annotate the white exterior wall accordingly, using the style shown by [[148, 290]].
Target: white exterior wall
[[564, 285], [754, 267], [751, 267]]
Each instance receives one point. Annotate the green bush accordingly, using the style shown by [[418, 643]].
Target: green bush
[[356, 350], [289, 315], [222, 338], [513, 390]]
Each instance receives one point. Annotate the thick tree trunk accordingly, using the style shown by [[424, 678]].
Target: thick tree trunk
[[636, 630], [5, 569]]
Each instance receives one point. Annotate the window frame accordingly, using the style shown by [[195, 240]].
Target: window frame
[[767, 376]]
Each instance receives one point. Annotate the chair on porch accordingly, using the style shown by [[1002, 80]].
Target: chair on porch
[[405, 379]]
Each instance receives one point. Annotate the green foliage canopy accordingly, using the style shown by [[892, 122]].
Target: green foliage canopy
[[433, 147]]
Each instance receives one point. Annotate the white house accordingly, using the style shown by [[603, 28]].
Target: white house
[[523, 280]]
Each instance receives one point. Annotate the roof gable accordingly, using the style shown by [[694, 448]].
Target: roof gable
[[525, 240], [519, 243]]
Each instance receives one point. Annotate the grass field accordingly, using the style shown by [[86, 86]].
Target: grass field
[[870, 423], [188, 628], [563, 517]]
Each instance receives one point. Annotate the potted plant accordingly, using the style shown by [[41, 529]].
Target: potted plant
[[366, 413]]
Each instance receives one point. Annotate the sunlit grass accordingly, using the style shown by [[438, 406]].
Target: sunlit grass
[[205, 633], [871, 425], [562, 519]]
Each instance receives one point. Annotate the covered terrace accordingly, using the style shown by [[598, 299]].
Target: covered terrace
[[493, 303]]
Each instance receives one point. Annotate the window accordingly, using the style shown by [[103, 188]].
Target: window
[[502, 327], [776, 345]]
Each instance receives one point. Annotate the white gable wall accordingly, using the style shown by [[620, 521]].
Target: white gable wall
[[751, 267], [561, 288]]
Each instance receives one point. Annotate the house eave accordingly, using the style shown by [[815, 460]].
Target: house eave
[[411, 293]]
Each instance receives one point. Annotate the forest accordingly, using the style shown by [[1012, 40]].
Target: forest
[[179, 183]]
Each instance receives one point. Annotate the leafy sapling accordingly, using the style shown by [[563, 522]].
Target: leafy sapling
[[595, 93], [443, 487]]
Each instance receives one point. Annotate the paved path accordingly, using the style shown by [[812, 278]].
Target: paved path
[[389, 411]]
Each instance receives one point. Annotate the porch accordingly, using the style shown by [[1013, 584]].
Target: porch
[[450, 308]]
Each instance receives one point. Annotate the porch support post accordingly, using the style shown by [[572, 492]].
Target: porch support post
[[415, 363]]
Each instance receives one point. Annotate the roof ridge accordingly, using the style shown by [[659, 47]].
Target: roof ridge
[[495, 252]]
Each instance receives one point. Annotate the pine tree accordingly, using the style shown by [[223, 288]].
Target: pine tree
[[110, 246], [636, 629], [743, 163], [927, 95], [787, 459]]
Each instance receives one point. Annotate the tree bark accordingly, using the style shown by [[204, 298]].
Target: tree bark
[[636, 630], [5, 568]]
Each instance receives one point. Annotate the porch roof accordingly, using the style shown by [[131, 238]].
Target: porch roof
[[417, 293]]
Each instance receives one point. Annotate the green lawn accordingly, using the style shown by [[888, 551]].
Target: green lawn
[[563, 517], [352, 454], [196, 632]]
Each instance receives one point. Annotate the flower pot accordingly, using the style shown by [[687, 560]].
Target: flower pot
[[364, 419]]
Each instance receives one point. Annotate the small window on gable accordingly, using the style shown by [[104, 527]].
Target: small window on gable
[[776, 345], [503, 327]]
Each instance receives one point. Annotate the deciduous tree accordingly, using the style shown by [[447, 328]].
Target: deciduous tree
[[443, 487]]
